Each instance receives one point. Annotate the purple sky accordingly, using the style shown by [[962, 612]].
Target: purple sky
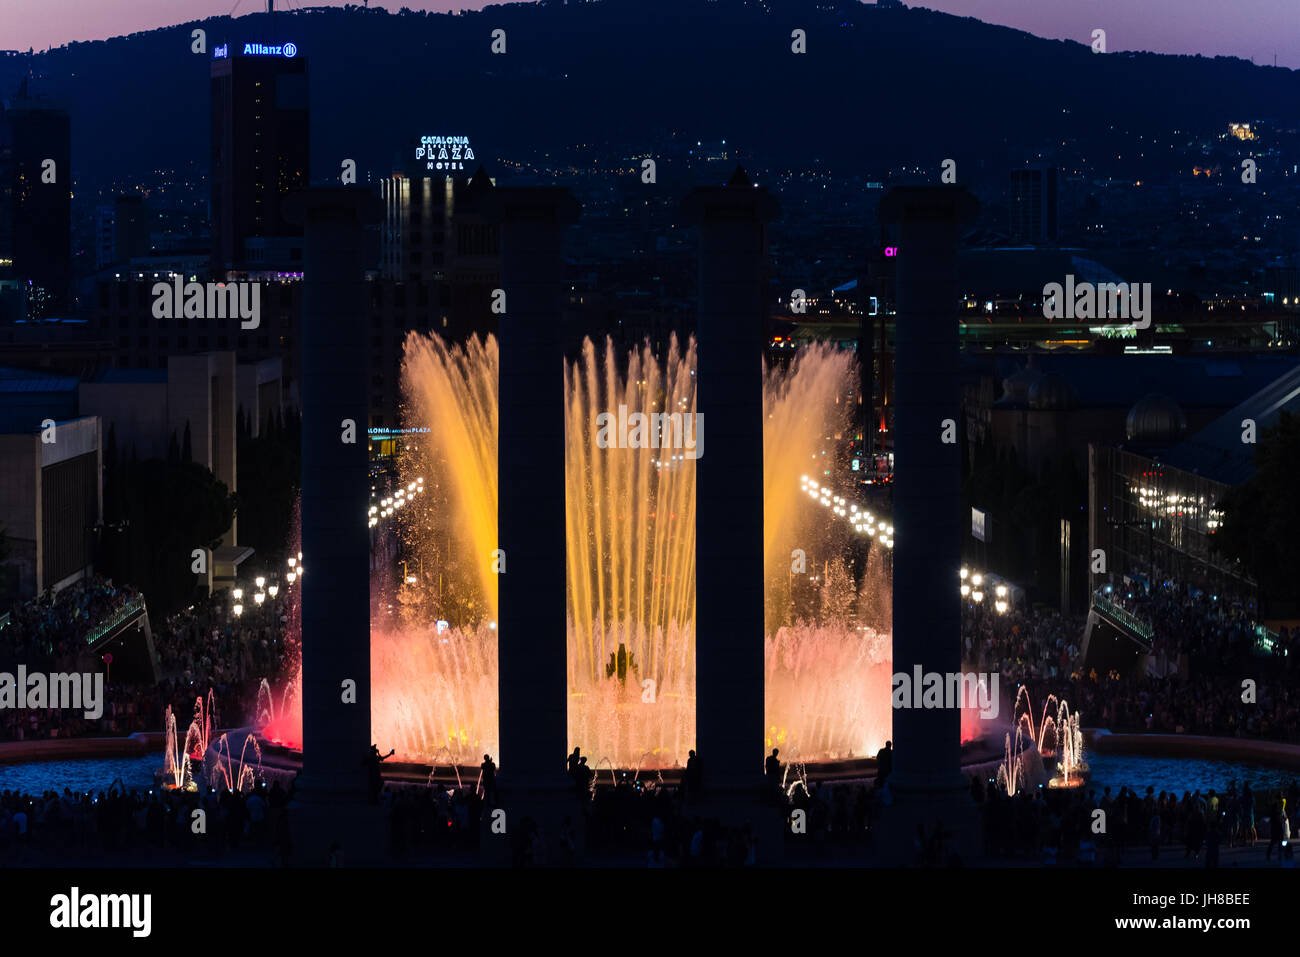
[[1251, 29]]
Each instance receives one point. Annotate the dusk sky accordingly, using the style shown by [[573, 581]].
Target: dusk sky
[[1251, 29]]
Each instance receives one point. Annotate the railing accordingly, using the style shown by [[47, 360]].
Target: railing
[[1266, 642], [125, 613], [1124, 617]]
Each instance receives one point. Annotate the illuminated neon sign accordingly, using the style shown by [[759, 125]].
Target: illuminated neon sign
[[258, 49], [445, 153]]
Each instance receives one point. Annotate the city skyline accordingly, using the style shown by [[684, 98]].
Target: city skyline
[[1256, 30]]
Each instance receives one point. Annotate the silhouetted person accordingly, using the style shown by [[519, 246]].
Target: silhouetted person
[[489, 780], [585, 776], [574, 759], [772, 772], [884, 762], [1276, 824], [375, 777], [694, 776], [772, 766]]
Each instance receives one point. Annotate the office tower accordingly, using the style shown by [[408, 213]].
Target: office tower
[[1034, 205], [36, 203], [260, 146], [435, 230], [131, 222]]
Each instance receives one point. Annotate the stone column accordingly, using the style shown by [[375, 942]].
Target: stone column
[[532, 635], [729, 604], [927, 781], [332, 790]]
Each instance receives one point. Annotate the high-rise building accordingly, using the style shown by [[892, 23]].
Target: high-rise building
[[131, 221], [105, 228], [36, 203], [260, 150], [436, 232], [1035, 205]]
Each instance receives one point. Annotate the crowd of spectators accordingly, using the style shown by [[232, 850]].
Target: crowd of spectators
[[1042, 651], [49, 632], [152, 824], [1059, 826], [1212, 632], [202, 648]]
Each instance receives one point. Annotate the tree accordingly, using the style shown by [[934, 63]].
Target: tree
[[169, 509], [269, 476]]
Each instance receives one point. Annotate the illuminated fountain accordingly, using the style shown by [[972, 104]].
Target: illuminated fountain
[[199, 735], [1011, 772], [1045, 734], [222, 773], [176, 760], [1069, 759], [630, 571]]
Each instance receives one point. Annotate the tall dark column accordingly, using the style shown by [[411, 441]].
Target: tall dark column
[[867, 357], [532, 633], [927, 781], [335, 490], [729, 612]]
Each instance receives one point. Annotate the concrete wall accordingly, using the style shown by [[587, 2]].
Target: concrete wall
[[22, 457], [259, 391], [137, 411], [20, 505], [189, 399]]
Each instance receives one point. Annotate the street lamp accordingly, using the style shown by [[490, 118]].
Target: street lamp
[[292, 576], [238, 593], [273, 590], [260, 580], [238, 610]]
